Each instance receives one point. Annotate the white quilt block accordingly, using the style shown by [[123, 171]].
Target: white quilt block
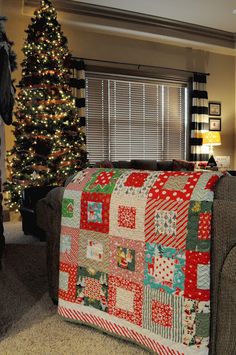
[[127, 217]]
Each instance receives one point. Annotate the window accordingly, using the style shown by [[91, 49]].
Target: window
[[135, 118]]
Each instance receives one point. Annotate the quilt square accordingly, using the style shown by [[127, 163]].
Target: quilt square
[[67, 282], [166, 222], [93, 250], [202, 325], [135, 183], [125, 299], [196, 322], [176, 186], [162, 314], [199, 226], [95, 212], [69, 245], [205, 186], [127, 217], [103, 181], [204, 226], [136, 179], [127, 258], [164, 269], [71, 209], [176, 183], [80, 180], [92, 288], [67, 207], [64, 281], [197, 277], [203, 277]]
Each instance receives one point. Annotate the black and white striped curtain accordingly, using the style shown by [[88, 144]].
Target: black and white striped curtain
[[199, 118], [77, 83]]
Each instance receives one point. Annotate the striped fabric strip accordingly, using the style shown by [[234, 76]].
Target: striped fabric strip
[[173, 332], [119, 330], [199, 118]]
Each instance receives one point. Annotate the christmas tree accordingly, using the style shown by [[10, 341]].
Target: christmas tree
[[49, 143]]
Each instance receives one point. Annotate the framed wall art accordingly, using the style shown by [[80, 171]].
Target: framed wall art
[[214, 108], [214, 124]]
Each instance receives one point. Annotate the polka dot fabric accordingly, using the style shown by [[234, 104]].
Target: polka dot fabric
[[135, 256]]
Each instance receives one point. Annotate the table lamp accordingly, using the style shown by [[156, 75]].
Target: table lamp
[[211, 138]]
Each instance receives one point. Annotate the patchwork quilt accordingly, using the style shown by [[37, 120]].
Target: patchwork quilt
[[135, 256]]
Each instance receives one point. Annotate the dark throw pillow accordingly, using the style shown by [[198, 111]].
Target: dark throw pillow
[[183, 165], [103, 164]]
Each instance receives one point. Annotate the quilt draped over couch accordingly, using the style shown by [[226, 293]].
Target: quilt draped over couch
[[135, 256]]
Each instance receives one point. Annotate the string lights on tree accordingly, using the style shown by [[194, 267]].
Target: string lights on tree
[[49, 142]]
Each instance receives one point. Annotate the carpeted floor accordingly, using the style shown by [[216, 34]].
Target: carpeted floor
[[29, 323]]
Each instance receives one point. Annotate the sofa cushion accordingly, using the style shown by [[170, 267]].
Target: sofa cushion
[[183, 165], [122, 164], [144, 164], [165, 165]]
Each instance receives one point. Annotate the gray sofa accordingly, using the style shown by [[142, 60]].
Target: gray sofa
[[223, 273]]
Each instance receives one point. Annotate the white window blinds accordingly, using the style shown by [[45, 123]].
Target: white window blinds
[[135, 118]]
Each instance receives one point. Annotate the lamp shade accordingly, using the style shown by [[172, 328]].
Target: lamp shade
[[211, 138]]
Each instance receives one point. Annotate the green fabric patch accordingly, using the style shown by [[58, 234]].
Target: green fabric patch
[[195, 209], [92, 288], [104, 180], [202, 324], [67, 207]]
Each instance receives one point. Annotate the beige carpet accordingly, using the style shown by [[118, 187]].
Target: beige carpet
[[29, 323], [52, 335]]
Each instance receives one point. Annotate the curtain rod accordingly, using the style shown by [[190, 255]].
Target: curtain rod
[[142, 65]]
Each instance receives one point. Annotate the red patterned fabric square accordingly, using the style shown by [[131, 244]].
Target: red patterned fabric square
[[204, 226], [166, 222], [162, 313], [197, 276], [70, 294], [125, 299], [126, 217], [136, 179], [92, 288], [95, 212], [104, 178], [175, 186]]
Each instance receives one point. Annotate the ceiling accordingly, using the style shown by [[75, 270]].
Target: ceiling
[[211, 13]]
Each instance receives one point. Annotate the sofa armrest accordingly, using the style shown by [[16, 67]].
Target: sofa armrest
[[223, 240], [226, 319], [48, 212], [226, 188]]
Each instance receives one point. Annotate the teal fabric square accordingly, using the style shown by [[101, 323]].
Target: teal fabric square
[[164, 268], [95, 212]]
